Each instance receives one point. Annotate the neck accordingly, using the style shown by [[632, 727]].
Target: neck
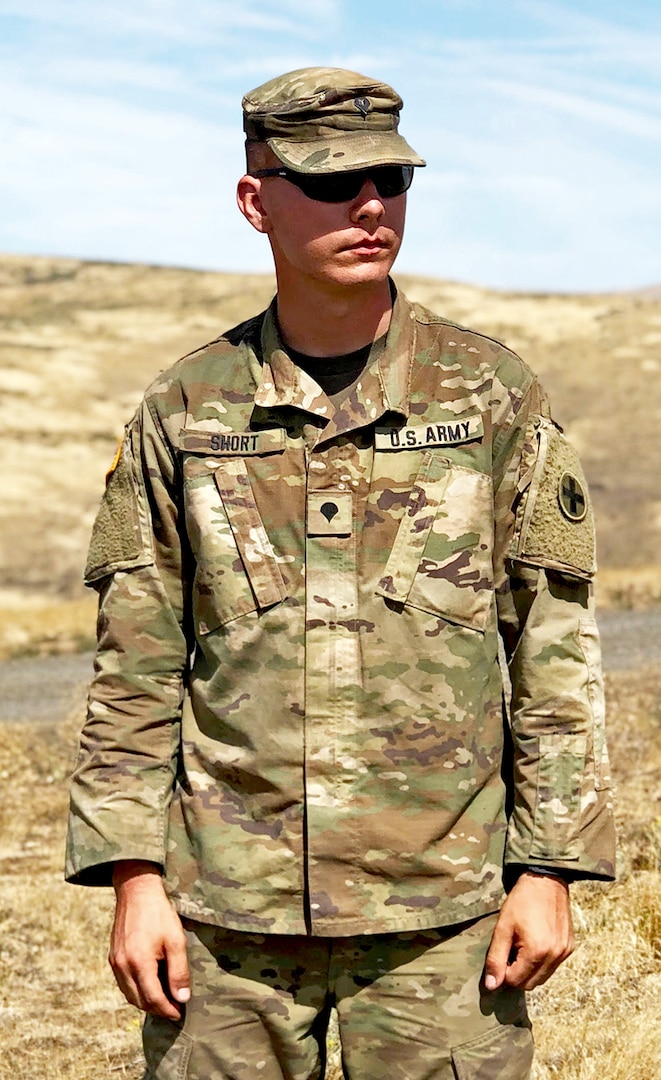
[[319, 321]]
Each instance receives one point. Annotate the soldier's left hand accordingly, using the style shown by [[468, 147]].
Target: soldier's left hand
[[533, 934]]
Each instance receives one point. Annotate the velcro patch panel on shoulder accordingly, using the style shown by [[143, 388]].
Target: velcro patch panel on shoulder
[[554, 522], [232, 443], [421, 436], [122, 535]]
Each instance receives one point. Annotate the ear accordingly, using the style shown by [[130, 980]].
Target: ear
[[249, 201]]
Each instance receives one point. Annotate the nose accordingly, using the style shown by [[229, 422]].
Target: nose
[[368, 204]]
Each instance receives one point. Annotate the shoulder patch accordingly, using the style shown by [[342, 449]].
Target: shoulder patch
[[115, 461], [554, 521], [572, 498]]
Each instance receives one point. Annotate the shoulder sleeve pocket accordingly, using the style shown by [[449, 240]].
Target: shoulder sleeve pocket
[[121, 536], [554, 526]]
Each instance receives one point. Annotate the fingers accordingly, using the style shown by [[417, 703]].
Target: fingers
[[546, 940], [495, 966], [137, 978], [178, 975], [148, 945], [533, 969], [536, 960], [137, 966], [523, 966], [533, 935]]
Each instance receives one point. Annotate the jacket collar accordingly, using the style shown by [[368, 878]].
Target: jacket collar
[[384, 387]]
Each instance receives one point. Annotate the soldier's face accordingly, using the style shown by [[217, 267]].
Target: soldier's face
[[348, 243]]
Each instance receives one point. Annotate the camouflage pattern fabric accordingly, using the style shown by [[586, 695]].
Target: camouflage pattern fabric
[[319, 120], [298, 706], [409, 1006]]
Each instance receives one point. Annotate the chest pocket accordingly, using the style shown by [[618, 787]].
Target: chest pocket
[[441, 561], [237, 570]]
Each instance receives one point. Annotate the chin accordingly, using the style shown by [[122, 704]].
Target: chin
[[370, 272]]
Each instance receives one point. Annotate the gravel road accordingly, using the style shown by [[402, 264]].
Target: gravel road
[[43, 688], [48, 688]]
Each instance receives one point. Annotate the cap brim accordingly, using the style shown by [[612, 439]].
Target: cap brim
[[346, 152]]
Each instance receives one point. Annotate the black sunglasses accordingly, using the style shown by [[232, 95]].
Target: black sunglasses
[[336, 187]]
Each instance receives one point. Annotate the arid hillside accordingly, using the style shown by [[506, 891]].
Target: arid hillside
[[79, 342]]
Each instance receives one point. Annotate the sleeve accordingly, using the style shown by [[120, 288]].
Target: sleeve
[[124, 776], [561, 813]]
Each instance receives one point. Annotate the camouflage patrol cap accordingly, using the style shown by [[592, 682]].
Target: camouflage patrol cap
[[319, 120]]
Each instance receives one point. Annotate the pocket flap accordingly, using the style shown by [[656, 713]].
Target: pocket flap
[[441, 561], [260, 561], [167, 1049], [414, 528]]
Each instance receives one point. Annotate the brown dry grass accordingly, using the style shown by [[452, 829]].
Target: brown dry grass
[[60, 1016], [62, 1019], [30, 624], [629, 590]]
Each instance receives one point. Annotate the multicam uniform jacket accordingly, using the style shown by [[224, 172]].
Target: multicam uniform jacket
[[298, 702]]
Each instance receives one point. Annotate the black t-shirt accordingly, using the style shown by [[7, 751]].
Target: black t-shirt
[[336, 374]]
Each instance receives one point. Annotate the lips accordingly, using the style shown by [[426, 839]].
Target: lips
[[368, 245]]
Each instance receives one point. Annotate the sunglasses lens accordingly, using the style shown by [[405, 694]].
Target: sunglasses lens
[[389, 180], [333, 187], [393, 180]]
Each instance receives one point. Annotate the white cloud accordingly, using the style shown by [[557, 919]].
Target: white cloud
[[204, 24], [585, 106]]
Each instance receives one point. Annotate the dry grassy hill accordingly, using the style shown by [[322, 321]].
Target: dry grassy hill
[[79, 341]]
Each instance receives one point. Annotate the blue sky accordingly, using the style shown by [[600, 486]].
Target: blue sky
[[120, 129]]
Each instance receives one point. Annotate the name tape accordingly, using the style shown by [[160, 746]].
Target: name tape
[[227, 443]]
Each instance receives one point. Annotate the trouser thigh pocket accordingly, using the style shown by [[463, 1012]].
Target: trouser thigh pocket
[[504, 1053], [167, 1049]]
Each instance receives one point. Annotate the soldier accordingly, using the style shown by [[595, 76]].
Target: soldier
[[297, 768]]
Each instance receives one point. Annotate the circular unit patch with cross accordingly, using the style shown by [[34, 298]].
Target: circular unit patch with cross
[[572, 498]]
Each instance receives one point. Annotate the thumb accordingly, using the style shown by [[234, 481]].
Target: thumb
[[495, 965], [177, 969]]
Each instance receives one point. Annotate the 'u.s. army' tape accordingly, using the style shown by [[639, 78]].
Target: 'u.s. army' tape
[[419, 436]]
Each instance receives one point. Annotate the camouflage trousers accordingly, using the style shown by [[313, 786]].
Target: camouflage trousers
[[410, 1006]]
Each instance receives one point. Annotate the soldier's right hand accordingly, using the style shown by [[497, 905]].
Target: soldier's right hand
[[148, 944]]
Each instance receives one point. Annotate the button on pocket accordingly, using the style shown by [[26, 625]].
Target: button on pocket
[[441, 561]]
